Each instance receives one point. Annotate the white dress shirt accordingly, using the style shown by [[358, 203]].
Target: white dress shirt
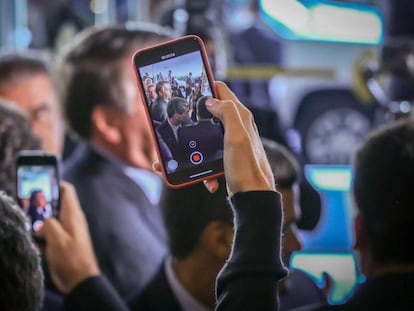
[[184, 298]]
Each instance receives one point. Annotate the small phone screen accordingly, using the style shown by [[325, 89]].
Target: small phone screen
[[177, 83], [38, 192]]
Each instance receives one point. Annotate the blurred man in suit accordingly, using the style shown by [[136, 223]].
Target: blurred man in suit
[[112, 167], [158, 107]]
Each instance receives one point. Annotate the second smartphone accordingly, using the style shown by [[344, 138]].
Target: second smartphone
[[38, 186], [175, 81]]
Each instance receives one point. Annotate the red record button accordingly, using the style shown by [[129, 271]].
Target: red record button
[[196, 157]]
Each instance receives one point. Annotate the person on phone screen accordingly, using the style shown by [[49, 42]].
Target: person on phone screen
[[178, 113], [195, 95], [158, 108], [205, 135], [38, 210], [151, 93], [189, 83]]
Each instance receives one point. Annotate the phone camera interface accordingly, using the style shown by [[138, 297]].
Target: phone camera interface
[[38, 193], [176, 91]]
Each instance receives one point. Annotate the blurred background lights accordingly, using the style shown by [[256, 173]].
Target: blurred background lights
[[330, 178], [324, 21]]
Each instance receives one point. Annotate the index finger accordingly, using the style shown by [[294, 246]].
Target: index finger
[[225, 93]]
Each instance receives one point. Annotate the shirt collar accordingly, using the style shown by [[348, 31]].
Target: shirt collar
[[174, 128], [184, 298], [150, 183]]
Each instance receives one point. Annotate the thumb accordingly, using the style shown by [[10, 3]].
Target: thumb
[[157, 168]]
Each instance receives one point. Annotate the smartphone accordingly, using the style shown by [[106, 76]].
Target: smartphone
[[175, 79], [38, 186]]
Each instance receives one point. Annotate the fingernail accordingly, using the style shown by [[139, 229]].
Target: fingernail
[[211, 102]]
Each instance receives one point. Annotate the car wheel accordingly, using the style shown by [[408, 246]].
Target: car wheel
[[332, 128]]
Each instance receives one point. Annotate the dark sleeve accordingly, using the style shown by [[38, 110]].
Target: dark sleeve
[[249, 279], [94, 293]]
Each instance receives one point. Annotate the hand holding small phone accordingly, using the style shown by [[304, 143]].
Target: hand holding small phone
[[68, 249], [38, 186]]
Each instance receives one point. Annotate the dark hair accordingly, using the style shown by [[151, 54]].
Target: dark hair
[[33, 196], [21, 275], [187, 211], [202, 111], [92, 72], [15, 135], [176, 105], [383, 190], [159, 85], [284, 166], [13, 66]]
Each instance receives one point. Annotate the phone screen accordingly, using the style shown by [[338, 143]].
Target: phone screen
[[38, 192], [176, 80]]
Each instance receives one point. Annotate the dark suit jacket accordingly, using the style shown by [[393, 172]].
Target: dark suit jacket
[[34, 214], [167, 135], [158, 110], [156, 296], [208, 137], [389, 292], [126, 228], [301, 291]]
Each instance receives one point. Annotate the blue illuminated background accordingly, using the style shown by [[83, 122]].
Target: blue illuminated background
[[328, 248], [324, 20]]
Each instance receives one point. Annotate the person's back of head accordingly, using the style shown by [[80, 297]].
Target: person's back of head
[[176, 105], [202, 112], [21, 276], [92, 70], [15, 135], [286, 171], [383, 191], [284, 165], [188, 211]]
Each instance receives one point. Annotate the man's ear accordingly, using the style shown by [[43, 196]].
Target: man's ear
[[217, 238], [105, 122], [360, 235]]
